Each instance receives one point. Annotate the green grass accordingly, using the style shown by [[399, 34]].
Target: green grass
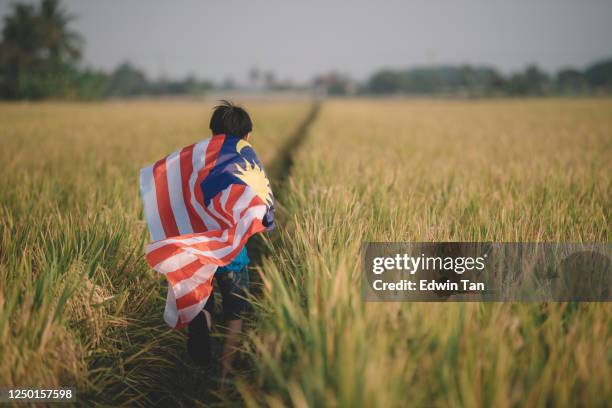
[[434, 171], [78, 303], [80, 306]]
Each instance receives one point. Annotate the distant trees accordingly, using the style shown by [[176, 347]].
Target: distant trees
[[334, 84], [127, 80], [264, 80], [486, 81], [532, 81], [38, 51], [40, 55], [427, 80], [600, 74], [570, 80]]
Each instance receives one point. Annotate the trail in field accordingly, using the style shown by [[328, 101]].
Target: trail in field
[[281, 166], [185, 384], [279, 173]]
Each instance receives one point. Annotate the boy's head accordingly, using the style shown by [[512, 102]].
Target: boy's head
[[230, 119]]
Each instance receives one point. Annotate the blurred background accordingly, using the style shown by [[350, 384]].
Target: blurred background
[[90, 50]]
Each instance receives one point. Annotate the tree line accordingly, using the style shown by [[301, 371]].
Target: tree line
[[40, 58], [486, 81], [40, 55]]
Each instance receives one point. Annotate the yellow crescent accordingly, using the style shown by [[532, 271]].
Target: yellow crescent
[[241, 145]]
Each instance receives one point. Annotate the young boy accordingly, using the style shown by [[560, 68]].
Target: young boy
[[232, 279]]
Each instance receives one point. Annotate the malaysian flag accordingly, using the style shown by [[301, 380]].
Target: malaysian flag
[[202, 203]]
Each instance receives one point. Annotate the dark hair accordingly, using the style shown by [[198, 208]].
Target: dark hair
[[230, 119]]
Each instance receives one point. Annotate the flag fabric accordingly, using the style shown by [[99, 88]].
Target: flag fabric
[[202, 203]]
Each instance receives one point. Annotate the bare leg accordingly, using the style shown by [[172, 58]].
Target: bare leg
[[234, 327], [208, 319]]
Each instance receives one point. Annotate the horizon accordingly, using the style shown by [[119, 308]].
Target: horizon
[[360, 38]]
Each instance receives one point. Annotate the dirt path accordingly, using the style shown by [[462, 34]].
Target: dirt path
[[278, 173], [281, 166]]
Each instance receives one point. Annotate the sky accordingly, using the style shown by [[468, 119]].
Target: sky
[[297, 40]]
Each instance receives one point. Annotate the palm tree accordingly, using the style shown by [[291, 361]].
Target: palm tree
[[63, 45], [37, 49]]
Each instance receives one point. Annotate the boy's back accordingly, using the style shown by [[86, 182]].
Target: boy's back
[[202, 203]]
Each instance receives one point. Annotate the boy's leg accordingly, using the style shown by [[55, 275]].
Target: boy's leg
[[208, 318], [234, 327], [198, 334], [233, 286]]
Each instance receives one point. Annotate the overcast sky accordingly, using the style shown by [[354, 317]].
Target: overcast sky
[[224, 38]]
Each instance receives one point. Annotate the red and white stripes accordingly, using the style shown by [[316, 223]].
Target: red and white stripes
[[191, 239], [173, 204], [190, 261]]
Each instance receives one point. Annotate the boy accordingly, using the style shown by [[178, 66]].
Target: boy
[[233, 278]]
